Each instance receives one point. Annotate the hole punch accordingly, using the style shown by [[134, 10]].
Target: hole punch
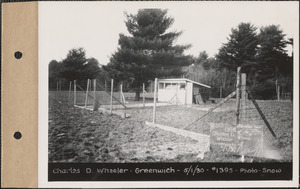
[[18, 55], [18, 135]]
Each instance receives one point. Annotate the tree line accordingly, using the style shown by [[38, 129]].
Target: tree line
[[150, 51]]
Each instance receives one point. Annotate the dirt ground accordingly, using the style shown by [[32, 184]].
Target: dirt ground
[[78, 135]]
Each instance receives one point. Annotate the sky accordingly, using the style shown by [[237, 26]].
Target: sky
[[96, 26]]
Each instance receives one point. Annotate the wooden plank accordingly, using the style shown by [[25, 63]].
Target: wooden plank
[[196, 136]]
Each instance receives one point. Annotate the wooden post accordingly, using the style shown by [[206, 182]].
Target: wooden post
[[121, 92], [243, 92], [70, 88], [143, 94], [74, 92], [105, 85], [278, 93], [57, 86], [154, 105], [238, 87], [111, 95], [95, 92], [87, 92], [276, 87]]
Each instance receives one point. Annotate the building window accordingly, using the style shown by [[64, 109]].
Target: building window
[[168, 85], [182, 86], [161, 85]]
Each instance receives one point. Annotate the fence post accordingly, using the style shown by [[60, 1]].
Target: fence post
[[154, 105], [111, 95], [278, 93], [95, 92], [74, 92], [121, 92], [243, 92], [105, 85], [87, 93], [238, 87], [221, 93], [143, 94], [70, 88]]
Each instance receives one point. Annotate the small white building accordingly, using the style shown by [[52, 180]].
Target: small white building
[[180, 91]]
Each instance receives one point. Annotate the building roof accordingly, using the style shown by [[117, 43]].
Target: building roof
[[186, 80]]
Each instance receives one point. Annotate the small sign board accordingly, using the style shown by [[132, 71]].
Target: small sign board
[[250, 140], [242, 139], [223, 137]]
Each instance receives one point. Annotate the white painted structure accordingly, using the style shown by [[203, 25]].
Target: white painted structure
[[178, 91]]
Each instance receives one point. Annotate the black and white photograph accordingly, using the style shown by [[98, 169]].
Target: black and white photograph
[[166, 91]]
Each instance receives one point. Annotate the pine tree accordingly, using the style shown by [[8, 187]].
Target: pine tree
[[77, 67], [271, 54], [149, 52], [240, 49]]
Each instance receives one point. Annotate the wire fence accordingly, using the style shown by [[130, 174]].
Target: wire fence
[[216, 105], [107, 95]]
